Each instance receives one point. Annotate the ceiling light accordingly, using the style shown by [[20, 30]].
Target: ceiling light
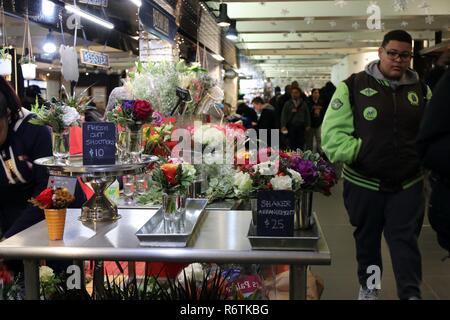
[[223, 20], [138, 3], [218, 57], [88, 16], [48, 74], [232, 32], [49, 43], [48, 8]]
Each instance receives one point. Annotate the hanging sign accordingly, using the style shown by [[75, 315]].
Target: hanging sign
[[98, 3], [99, 143], [275, 216], [157, 21], [94, 58]]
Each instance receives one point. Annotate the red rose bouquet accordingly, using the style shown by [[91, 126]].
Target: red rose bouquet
[[132, 114]]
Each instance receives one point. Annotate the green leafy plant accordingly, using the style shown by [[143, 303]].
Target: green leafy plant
[[27, 59], [57, 116], [4, 54], [220, 189], [78, 101]]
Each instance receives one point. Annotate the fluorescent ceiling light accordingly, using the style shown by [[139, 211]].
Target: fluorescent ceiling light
[[218, 57], [49, 43], [88, 16], [138, 3], [48, 8]]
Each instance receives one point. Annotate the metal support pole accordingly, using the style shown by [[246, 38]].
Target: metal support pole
[[31, 274], [297, 282]]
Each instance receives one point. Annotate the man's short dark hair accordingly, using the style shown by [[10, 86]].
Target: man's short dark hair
[[277, 89], [296, 88], [396, 35], [258, 100]]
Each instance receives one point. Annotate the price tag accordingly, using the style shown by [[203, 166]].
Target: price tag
[[275, 213], [99, 143]]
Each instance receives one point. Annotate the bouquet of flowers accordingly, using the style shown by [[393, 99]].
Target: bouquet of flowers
[[158, 136], [58, 116], [318, 174], [132, 114], [155, 82], [53, 198], [273, 174], [174, 177]]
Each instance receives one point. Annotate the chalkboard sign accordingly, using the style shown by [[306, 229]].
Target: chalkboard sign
[[99, 143], [275, 216], [94, 58]]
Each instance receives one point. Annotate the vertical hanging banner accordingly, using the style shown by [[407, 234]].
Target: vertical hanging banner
[[157, 21]]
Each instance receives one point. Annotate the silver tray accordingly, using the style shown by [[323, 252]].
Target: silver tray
[[75, 166], [215, 206], [152, 232], [302, 240]]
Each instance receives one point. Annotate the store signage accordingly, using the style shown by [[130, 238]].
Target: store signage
[[157, 21], [99, 143], [275, 215], [94, 58], [98, 3]]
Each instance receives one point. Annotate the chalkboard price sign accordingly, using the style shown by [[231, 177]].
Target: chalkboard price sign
[[99, 143], [275, 213]]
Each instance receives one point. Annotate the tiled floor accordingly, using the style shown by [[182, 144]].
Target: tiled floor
[[340, 278]]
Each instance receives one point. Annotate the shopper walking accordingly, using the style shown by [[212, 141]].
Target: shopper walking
[[371, 126], [295, 120], [267, 119], [317, 111], [434, 150]]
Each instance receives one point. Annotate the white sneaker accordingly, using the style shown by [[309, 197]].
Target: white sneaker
[[368, 294]]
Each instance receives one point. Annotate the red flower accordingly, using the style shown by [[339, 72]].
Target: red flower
[[169, 120], [44, 199], [142, 110], [170, 171], [5, 276], [171, 144]]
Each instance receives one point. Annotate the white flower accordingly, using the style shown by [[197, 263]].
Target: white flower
[[193, 270], [210, 136], [297, 177], [243, 182], [70, 115], [188, 170], [281, 183], [46, 274], [267, 168]]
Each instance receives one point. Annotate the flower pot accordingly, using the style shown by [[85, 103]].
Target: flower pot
[[61, 146], [29, 71], [56, 220], [5, 67], [174, 208]]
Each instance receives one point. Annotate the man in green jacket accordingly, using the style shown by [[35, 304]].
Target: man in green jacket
[[371, 126]]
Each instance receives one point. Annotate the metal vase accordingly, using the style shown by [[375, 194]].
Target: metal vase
[[303, 210]]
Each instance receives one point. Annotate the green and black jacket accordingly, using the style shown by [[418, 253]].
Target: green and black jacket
[[372, 129]]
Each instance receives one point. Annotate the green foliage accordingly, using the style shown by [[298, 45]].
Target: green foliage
[[4, 54], [27, 59], [220, 189], [48, 116], [79, 102]]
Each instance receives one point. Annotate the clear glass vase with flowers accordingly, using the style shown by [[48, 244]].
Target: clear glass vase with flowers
[[174, 179], [130, 116]]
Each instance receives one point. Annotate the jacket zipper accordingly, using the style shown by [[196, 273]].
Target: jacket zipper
[[394, 96]]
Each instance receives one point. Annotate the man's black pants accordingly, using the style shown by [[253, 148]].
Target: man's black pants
[[400, 216]]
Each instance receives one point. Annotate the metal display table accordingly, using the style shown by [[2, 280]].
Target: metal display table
[[100, 177], [222, 238]]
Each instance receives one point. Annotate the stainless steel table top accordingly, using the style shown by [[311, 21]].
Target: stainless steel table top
[[222, 238]]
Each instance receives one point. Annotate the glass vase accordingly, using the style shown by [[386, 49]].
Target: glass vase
[[61, 146], [121, 145], [303, 210], [134, 145], [174, 209]]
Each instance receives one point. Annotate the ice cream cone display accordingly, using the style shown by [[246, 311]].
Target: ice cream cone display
[[54, 202], [56, 220]]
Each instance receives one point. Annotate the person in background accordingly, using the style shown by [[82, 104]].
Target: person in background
[[273, 100], [226, 109], [281, 101], [248, 115], [267, 117], [295, 120], [32, 93], [371, 126], [20, 179], [317, 111], [434, 149], [117, 94], [327, 92]]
